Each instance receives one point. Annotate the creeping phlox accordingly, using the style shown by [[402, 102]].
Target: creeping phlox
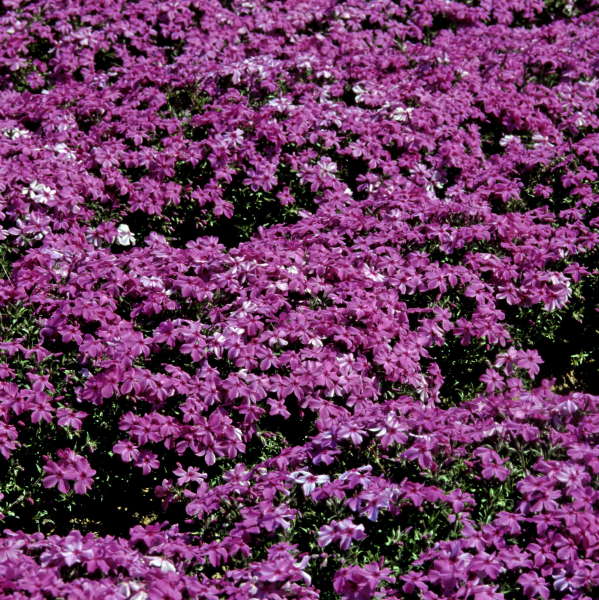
[[299, 300]]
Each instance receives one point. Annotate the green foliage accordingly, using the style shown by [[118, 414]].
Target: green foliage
[[566, 338], [461, 365], [254, 209], [18, 322], [25, 500], [182, 102]]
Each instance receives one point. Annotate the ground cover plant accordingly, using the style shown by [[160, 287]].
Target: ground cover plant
[[299, 300]]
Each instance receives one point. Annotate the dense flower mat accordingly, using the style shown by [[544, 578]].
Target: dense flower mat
[[299, 299]]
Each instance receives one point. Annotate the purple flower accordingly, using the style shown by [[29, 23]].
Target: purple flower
[[414, 581], [82, 476], [127, 450], [57, 476], [485, 565], [456, 173], [360, 583], [533, 585], [478, 591], [70, 418], [514, 557], [491, 464], [392, 432], [187, 475], [70, 468], [493, 380], [147, 461], [343, 532]]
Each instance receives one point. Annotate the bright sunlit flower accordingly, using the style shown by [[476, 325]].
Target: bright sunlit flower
[[124, 237]]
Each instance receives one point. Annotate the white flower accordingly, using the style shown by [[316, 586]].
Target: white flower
[[401, 114], [39, 192], [153, 282], [124, 237], [359, 92], [166, 566], [506, 139], [15, 133], [133, 590], [324, 74], [315, 342], [281, 104], [308, 480], [327, 165], [64, 149], [372, 275]]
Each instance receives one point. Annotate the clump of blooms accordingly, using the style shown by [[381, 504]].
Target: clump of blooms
[[343, 532], [299, 299], [70, 469], [360, 583]]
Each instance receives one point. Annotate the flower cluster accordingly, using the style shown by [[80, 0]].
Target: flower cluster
[[360, 583], [70, 469], [299, 299]]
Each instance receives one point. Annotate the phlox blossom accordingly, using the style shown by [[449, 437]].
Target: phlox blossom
[[343, 532]]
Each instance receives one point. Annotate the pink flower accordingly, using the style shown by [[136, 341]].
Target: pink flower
[[360, 583], [190, 474], [82, 475], [70, 418], [70, 467], [533, 585], [58, 476], [485, 565], [147, 461], [127, 450], [493, 380], [343, 532], [392, 432]]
